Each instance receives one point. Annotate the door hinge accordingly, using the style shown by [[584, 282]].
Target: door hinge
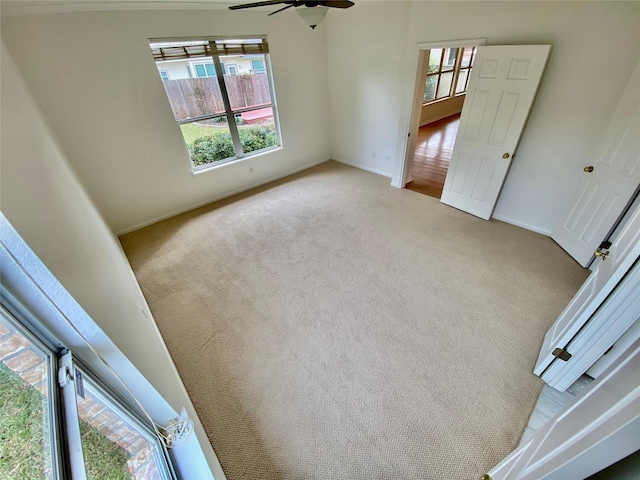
[[562, 354]]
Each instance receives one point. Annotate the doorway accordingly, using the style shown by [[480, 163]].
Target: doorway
[[441, 82], [432, 155], [445, 76]]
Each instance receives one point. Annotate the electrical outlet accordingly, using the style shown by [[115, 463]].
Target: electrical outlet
[[373, 155], [251, 169], [386, 158]]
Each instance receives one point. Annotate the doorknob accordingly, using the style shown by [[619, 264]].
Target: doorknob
[[600, 253], [588, 169], [505, 155]]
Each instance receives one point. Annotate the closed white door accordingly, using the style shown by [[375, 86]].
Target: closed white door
[[607, 183], [619, 258], [503, 84]]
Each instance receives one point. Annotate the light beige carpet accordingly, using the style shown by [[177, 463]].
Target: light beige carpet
[[329, 326]]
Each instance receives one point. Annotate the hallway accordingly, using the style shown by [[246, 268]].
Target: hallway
[[433, 153]]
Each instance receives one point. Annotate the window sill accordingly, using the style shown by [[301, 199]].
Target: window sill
[[216, 166]]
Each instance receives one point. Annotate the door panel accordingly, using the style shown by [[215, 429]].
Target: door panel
[[598, 429], [624, 251], [618, 312], [501, 90], [601, 195]]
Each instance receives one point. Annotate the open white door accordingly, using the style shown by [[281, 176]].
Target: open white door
[[597, 430], [607, 182], [503, 84], [612, 266]]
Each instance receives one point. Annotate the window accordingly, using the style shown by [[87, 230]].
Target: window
[[447, 72], [164, 74], [258, 66], [39, 408], [227, 110], [204, 69]]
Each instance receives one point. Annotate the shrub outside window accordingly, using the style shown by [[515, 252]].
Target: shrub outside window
[[223, 114]]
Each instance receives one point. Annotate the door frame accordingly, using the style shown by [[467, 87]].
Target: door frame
[[408, 134]]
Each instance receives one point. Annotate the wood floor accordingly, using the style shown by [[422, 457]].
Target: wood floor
[[432, 156]]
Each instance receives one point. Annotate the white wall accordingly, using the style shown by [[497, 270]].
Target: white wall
[[93, 76], [373, 57], [366, 46], [45, 203]]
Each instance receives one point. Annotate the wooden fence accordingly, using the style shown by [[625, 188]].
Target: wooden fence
[[195, 97]]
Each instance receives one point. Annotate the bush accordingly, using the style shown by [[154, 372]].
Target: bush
[[213, 148]]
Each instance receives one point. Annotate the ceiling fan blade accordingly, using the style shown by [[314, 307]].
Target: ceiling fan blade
[[281, 9], [259, 4], [337, 3]]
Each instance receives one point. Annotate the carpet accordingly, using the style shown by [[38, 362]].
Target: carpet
[[330, 326]]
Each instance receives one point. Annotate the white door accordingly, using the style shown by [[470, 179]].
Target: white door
[[607, 183], [623, 252], [598, 429], [614, 317], [503, 84]]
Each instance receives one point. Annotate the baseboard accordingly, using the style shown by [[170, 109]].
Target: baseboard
[[364, 167], [522, 225], [219, 197]]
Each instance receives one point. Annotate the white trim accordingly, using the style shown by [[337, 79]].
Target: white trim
[[526, 226], [364, 167], [35, 7], [220, 197]]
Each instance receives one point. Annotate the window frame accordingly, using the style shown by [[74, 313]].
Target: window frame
[[229, 113], [474, 51], [457, 68], [59, 463], [66, 446]]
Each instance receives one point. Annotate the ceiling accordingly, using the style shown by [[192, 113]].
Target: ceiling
[[26, 7]]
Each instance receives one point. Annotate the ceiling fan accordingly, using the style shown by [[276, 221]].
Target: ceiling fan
[[312, 15]]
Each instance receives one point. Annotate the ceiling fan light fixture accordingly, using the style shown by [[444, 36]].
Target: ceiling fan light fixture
[[312, 16]]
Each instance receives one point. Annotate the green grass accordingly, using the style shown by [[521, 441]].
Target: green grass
[[21, 428], [104, 460], [191, 132], [23, 431]]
